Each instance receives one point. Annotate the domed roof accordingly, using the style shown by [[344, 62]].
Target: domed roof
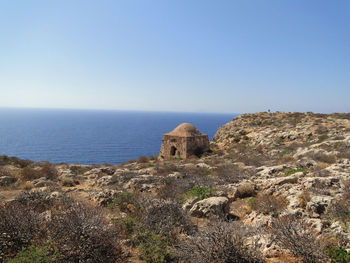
[[185, 130]]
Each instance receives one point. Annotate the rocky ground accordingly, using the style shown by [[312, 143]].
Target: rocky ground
[[279, 182]]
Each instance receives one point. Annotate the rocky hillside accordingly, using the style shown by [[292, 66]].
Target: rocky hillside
[[274, 188]]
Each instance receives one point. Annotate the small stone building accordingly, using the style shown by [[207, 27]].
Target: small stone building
[[185, 140]]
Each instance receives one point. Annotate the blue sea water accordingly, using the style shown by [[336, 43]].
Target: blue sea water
[[91, 136]]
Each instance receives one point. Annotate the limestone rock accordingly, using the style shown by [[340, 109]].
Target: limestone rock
[[104, 197], [210, 206], [107, 180], [189, 203], [318, 204]]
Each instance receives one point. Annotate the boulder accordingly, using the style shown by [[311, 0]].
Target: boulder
[[210, 206]]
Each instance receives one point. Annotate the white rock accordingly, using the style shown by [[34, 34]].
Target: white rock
[[210, 206]]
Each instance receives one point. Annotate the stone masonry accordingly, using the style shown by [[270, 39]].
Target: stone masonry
[[184, 141]]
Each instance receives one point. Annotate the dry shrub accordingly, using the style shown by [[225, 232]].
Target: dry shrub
[[252, 159], [142, 159], [166, 217], [173, 188], [130, 161], [287, 158], [260, 148], [303, 199], [228, 173], [324, 157], [69, 182], [29, 174], [78, 232], [4, 171], [153, 157], [346, 183], [341, 115], [321, 130], [47, 170], [319, 170], [341, 209], [245, 190], [294, 234], [81, 234], [27, 186], [19, 225], [4, 159], [41, 201], [220, 242], [14, 161], [78, 169], [268, 204], [166, 168], [130, 203]]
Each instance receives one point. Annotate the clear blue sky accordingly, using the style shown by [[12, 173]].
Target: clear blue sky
[[178, 55]]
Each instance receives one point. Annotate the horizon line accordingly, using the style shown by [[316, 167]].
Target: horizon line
[[125, 110]]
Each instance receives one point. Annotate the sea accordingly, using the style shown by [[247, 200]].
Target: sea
[[93, 136]]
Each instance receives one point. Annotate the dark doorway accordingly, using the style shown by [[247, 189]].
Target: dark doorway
[[172, 150]]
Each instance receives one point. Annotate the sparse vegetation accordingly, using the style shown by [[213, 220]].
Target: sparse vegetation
[[33, 254], [294, 171], [219, 242], [245, 190], [268, 204], [338, 254], [295, 235], [304, 198], [198, 192], [78, 232], [142, 159]]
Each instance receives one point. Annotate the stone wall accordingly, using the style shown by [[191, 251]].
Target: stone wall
[[183, 147]]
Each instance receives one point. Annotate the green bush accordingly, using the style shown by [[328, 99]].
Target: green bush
[[153, 248], [198, 192], [33, 254], [119, 200], [294, 171], [338, 254], [251, 201], [128, 225]]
